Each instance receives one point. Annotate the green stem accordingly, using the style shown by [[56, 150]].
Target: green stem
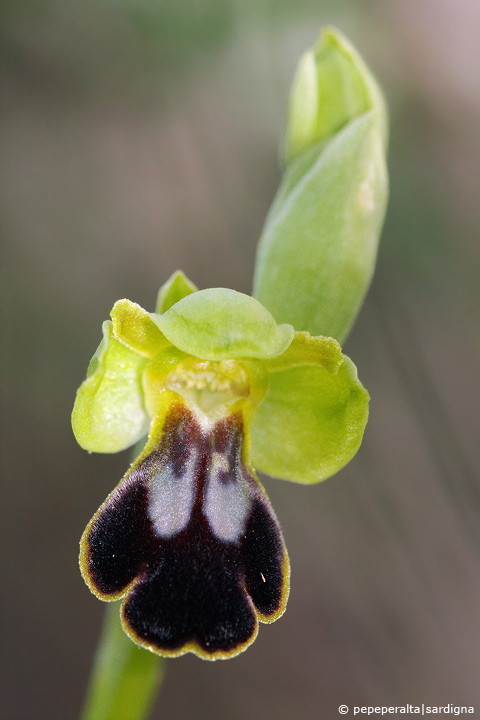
[[124, 677]]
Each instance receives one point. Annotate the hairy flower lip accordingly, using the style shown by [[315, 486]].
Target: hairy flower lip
[[220, 526]]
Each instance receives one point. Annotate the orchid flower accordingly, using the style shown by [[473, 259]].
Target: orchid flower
[[189, 538]]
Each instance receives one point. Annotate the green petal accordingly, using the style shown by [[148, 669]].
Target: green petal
[[134, 327], [109, 414], [177, 287], [312, 419], [308, 350], [218, 324]]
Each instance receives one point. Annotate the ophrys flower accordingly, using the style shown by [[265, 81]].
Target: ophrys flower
[[189, 538]]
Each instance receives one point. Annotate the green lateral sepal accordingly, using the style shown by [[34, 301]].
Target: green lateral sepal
[[312, 419], [109, 414]]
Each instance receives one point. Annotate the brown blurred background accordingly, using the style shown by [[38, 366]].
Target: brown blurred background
[[140, 136]]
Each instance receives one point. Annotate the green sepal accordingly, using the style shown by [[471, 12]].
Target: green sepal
[[177, 287], [312, 419], [218, 324], [134, 327], [109, 414]]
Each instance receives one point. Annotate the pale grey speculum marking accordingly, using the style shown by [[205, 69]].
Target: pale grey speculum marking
[[226, 505], [226, 495], [172, 497]]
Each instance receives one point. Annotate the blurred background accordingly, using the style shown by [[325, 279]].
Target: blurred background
[[140, 136]]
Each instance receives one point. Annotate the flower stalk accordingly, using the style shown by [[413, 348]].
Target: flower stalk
[[125, 678]]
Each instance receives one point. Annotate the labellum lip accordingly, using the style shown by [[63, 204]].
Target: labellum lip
[[190, 540]]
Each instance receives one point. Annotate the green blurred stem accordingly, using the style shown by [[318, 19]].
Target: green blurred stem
[[124, 677]]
